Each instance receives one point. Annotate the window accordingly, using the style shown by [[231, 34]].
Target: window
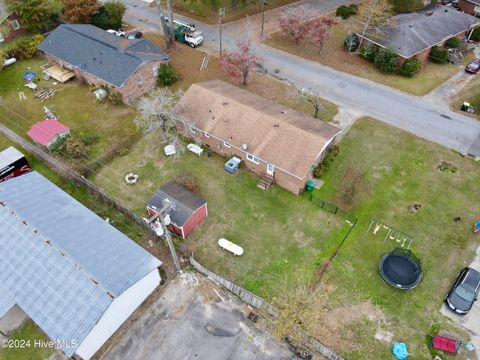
[[207, 135], [227, 145], [139, 80], [193, 130], [253, 159]]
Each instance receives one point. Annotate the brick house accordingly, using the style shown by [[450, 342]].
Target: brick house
[[271, 139], [414, 34], [471, 7], [12, 23], [101, 59]]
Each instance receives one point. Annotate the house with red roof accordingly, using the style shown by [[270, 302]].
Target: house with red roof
[[47, 131]]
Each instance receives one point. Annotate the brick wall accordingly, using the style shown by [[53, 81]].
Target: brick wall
[[466, 6], [281, 178], [142, 80]]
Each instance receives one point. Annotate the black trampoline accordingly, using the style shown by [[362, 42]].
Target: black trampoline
[[401, 269]]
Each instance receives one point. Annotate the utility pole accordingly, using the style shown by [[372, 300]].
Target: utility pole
[[159, 215], [221, 15], [263, 19]]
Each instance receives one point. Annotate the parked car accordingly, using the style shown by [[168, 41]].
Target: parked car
[[464, 292], [473, 67], [119, 33], [134, 35]]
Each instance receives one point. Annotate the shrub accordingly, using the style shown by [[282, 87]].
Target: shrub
[[453, 42], [90, 139], [370, 52], [351, 42], [110, 15], [346, 11], [115, 97], [75, 148], [439, 55], [410, 67], [323, 167], [167, 75], [387, 61], [475, 35], [24, 48]]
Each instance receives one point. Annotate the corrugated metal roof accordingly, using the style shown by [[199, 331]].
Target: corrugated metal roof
[[6, 301], [9, 156], [53, 248]]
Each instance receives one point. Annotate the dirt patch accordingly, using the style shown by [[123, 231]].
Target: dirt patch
[[414, 208], [339, 321], [447, 167]]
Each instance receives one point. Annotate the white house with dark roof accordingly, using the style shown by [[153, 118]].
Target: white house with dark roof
[[76, 276]]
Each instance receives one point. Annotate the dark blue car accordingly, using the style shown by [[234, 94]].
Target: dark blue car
[[464, 292]]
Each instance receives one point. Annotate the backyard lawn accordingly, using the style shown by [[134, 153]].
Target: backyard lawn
[[285, 237], [334, 55], [397, 171], [28, 334], [74, 105]]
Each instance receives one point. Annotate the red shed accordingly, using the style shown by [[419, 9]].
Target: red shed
[[188, 212]]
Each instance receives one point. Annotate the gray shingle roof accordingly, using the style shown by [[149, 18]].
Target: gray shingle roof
[[61, 263], [91, 49], [408, 34], [185, 202]]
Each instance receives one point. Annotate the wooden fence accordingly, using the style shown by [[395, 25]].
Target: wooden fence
[[261, 304]]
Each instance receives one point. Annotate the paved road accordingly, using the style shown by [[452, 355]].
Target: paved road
[[421, 116]]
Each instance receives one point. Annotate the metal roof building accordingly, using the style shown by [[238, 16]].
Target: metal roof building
[[76, 276]]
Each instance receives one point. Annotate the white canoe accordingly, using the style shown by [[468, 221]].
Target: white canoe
[[229, 246]]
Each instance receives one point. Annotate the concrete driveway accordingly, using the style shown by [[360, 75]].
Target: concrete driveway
[[471, 321], [189, 321]]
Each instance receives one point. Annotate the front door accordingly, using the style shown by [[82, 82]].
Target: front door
[[270, 169]]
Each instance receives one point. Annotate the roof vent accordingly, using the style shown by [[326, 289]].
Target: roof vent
[[429, 13], [276, 125], [225, 103], [411, 25], [244, 147], [284, 112], [446, 10]]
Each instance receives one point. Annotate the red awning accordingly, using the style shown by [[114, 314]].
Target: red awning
[[445, 344]]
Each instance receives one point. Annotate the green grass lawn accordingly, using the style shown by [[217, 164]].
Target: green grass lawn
[[74, 105], [399, 170], [28, 334], [284, 236], [334, 55]]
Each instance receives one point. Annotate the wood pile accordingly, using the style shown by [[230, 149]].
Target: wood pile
[[45, 94]]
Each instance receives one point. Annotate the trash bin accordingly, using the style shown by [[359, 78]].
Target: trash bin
[[310, 185]]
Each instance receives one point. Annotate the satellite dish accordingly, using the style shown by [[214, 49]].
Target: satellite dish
[[167, 220], [244, 146]]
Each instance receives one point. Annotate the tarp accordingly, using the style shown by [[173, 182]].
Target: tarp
[[399, 350], [445, 344]]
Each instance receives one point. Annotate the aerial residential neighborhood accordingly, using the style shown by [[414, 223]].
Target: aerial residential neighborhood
[[226, 179]]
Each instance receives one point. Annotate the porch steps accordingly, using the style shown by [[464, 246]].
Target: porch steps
[[265, 181]]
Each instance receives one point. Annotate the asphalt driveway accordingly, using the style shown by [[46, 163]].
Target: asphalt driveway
[[189, 321]]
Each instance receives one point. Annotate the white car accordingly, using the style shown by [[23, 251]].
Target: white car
[[119, 33]]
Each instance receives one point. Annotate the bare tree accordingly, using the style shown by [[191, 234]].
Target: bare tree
[[156, 112], [312, 96], [373, 13]]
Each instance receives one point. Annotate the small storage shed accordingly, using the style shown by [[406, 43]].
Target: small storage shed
[[188, 211], [46, 132]]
